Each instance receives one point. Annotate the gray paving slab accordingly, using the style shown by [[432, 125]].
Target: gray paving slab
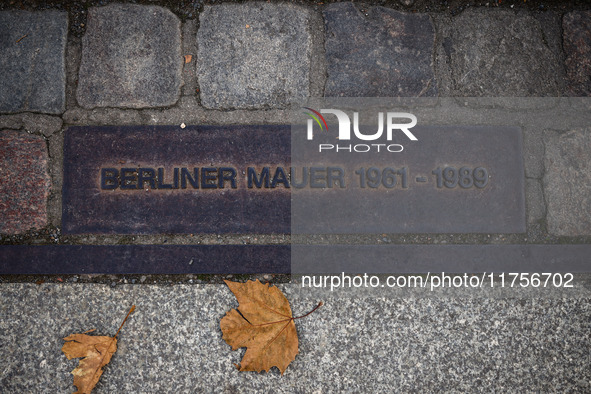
[[173, 343], [382, 53], [32, 67], [131, 57], [500, 53], [253, 55], [567, 182], [577, 47]]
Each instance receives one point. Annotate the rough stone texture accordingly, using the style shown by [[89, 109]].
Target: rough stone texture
[[567, 182], [500, 53], [384, 53], [24, 184], [73, 57], [32, 70], [318, 60], [551, 24], [173, 342], [131, 57], [186, 111], [32, 123], [533, 152], [577, 46], [443, 25], [253, 55], [103, 116], [536, 209]]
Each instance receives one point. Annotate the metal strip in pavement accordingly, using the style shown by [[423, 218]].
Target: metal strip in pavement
[[283, 259], [143, 259]]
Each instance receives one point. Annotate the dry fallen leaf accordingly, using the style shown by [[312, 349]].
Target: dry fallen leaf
[[95, 352], [263, 323], [188, 58]]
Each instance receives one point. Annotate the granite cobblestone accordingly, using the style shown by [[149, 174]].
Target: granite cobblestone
[[567, 182], [131, 58], [32, 70], [253, 55], [500, 53], [24, 184], [383, 53], [577, 46]]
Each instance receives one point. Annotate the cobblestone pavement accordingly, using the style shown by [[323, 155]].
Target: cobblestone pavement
[[248, 63]]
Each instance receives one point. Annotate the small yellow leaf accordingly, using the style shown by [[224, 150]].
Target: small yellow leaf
[[188, 58], [95, 352]]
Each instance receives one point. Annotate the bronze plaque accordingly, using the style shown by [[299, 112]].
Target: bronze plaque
[[165, 179]]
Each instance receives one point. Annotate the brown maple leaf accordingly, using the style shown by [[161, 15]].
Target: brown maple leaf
[[95, 352], [263, 323]]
